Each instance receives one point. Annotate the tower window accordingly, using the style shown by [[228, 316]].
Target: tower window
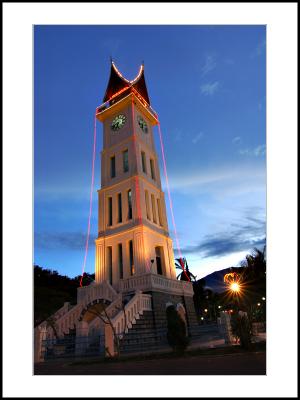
[[119, 207], [129, 198], [159, 212], [144, 162], [113, 167], [153, 208], [159, 260], [120, 254], [152, 169], [125, 161], [110, 215], [147, 204], [109, 263], [131, 261]]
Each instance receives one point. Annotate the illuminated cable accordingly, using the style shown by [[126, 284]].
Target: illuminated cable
[[91, 201], [137, 188], [170, 200]]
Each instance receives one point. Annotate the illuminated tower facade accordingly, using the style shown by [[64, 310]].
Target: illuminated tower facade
[[135, 277], [133, 237]]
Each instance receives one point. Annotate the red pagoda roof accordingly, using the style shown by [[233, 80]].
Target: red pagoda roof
[[118, 83]]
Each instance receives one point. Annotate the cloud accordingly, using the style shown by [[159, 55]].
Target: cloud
[[209, 65], [256, 152], [61, 240], [239, 237], [260, 48], [197, 137], [226, 180], [236, 140], [62, 191], [209, 89], [177, 136]]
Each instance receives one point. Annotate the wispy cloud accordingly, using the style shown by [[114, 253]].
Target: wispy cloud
[[245, 236], [197, 137], [62, 191], [61, 240], [256, 152], [177, 136], [236, 140], [260, 48], [209, 64], [225, 180], [209, 89]]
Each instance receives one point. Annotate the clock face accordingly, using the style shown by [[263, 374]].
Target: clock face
[[118, 122], [142, 124]]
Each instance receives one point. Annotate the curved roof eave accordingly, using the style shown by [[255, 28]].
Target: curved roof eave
[[118, 82]]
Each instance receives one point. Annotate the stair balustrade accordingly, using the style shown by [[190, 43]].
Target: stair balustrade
[[132, 311]]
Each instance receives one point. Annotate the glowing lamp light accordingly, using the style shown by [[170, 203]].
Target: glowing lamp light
[[205, 310], [235, 287], [263, 298], [219, 306], [202, 318], [258, 304]]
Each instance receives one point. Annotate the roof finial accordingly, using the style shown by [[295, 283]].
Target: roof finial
[[111, 60]]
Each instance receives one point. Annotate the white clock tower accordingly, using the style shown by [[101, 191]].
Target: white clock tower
[[133, 237], [135, 279]]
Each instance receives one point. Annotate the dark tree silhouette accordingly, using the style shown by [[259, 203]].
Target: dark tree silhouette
[[52, 290], [176, 333]]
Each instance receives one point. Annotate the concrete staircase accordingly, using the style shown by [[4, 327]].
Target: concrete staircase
[[143, 336], [204, 333]]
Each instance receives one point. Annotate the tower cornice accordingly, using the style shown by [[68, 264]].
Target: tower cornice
[[107, 110]]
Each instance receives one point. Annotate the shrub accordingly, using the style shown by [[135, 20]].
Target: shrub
[[241, 328], [176, 334]]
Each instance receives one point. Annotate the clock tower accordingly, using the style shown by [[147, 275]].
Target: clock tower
[[133, 237], [135, 279]]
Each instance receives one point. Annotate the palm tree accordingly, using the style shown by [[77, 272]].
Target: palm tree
[[253, 279], [254, 273], [185, 274]]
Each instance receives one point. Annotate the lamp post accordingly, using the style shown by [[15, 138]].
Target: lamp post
[[152, 261]]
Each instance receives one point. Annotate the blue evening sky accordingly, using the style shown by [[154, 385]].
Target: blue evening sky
[[207, 84]]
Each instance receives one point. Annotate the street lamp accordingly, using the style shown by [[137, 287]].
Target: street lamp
[[235, 287]]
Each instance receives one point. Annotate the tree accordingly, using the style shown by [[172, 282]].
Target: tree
[[241, 328], [176, 333], [52, 290], [253, 281], [106, 318]]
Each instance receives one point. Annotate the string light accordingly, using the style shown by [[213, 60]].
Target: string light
[[170, 200], [137, 188], [91, 201], [155, 115], [122, 77]]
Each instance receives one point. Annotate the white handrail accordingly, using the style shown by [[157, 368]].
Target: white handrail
[[124, 320], [152, 281]]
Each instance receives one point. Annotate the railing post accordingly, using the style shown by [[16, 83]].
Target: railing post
[[40, 335]]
